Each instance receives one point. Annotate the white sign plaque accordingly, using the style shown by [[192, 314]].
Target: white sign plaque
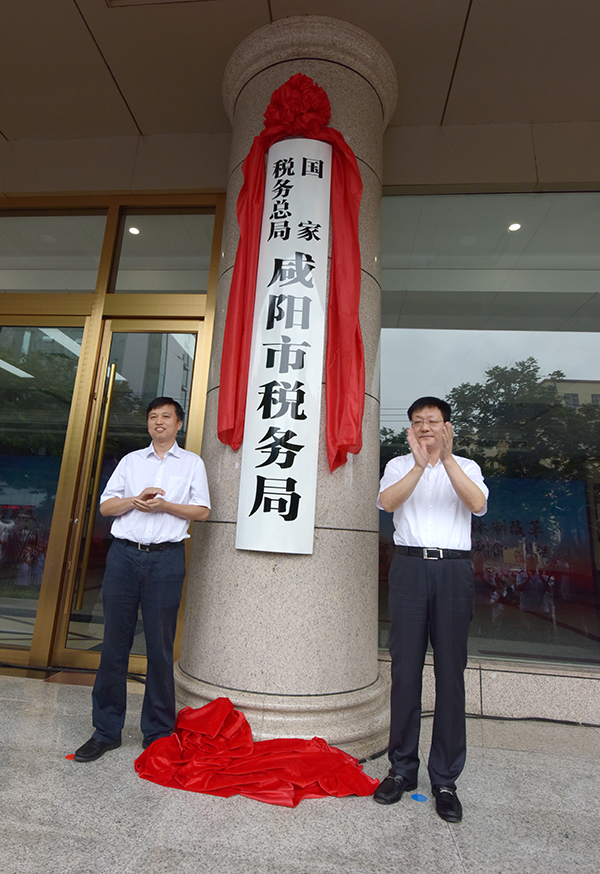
[[276, 511]]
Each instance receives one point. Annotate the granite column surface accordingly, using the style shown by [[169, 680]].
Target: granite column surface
[[292, 639]]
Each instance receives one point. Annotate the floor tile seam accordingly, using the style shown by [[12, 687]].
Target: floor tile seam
[[452, 830], [524, 730], [142, 843], [423, 755], [562, 756], [111, 867], [566, 756], [162, 813], [42, 687], [134, 857], [379, 820]]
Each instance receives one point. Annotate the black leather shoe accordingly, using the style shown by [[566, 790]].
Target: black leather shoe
[[392, 789], [95, 748], [447, 804]]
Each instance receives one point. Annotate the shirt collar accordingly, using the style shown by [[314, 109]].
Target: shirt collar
[[174, 450]]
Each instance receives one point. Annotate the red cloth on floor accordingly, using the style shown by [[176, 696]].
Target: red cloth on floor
[[212, 751]]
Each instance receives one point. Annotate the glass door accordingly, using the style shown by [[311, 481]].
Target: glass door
[[38, 368], [138, 365]]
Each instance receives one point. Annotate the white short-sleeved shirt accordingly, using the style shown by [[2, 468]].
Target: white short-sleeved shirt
[[180, 473], [433, 515]]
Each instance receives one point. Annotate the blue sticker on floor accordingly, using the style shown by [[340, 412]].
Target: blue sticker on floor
[[417, 797]]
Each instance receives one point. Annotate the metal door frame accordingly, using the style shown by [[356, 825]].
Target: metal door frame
[[92, 310], [62, 655]]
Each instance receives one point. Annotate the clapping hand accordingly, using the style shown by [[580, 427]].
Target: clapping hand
[[419, 452], [447, 442]]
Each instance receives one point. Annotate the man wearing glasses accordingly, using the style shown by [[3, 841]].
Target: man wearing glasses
[[432, 495]]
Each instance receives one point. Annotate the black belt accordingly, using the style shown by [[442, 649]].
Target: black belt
[[150, 547], [432, 552]]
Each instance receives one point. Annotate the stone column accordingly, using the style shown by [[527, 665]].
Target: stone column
[[292, 639]]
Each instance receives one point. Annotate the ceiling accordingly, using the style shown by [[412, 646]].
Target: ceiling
[[450, 262], [102, 68]]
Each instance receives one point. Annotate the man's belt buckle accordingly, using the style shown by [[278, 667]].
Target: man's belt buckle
[[143, 547], [437, 553]]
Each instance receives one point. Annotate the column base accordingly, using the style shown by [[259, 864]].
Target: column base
[[357, 722]]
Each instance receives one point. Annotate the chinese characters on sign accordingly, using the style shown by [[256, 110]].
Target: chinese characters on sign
[[281, 438]]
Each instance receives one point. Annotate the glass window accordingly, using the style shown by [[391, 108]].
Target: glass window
[[165, 253], [50, 253], [500, 323], [37, 375]]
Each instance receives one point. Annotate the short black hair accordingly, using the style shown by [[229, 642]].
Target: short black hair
[[164, 402], [421, 403]]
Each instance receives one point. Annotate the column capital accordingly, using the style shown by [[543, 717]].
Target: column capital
[[312, 37]]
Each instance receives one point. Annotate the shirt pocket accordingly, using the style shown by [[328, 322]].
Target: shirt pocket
[[177, 489]]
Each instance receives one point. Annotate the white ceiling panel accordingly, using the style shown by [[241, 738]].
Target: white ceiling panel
[[532, 61], [420, 36], [53, 81], [169, 58], [90, 68]]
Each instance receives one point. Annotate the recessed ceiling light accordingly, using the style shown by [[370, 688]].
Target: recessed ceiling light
[[133, 230], [514, 227]]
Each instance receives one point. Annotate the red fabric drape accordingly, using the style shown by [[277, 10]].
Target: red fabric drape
[[212, 751], [300, 108]]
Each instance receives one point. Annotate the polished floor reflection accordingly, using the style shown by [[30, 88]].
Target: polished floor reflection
[[86, 629], [566, 634], [528, 791]]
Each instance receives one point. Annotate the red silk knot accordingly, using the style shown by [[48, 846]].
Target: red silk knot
[[300, 108], [211, 751]]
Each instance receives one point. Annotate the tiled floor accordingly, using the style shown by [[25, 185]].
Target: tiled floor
[[529, 792]]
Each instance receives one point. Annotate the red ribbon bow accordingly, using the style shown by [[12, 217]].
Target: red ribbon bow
[[300, 108]]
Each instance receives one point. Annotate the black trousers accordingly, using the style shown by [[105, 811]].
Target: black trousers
[[429, 599], [153, 580]]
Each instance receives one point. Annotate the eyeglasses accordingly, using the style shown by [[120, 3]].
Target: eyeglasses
[[418, 423]]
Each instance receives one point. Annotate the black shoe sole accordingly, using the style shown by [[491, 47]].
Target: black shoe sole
[[449, 817], [94, 758], [410, 788]]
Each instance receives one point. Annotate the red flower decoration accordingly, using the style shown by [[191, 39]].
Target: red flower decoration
[[300, 108]]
